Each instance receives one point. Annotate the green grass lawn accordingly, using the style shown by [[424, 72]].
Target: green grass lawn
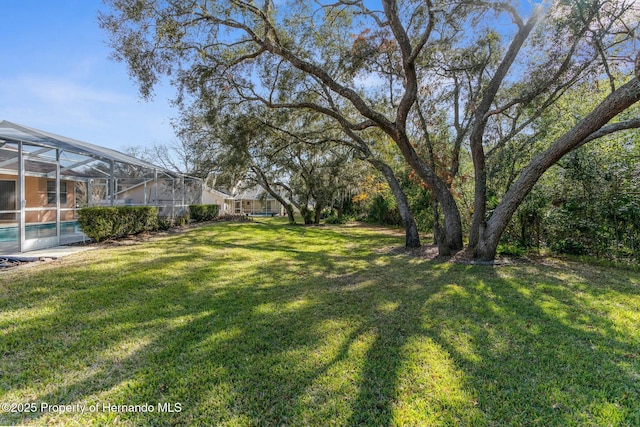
[[252, 324]]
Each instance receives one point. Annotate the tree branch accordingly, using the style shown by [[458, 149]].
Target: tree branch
[[612, 128]]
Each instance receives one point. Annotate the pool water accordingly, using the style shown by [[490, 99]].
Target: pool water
[[39, 231]]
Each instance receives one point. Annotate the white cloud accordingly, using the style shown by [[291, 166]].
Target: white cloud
[[55, 91], [76, 109]]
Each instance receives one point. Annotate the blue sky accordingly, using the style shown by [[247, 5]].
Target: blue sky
[[56, 76]]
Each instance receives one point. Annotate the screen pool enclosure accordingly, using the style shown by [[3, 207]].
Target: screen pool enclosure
[[45, 179]]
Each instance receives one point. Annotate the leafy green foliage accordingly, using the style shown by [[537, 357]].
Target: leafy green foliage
[[595, 209], [168, 222], [334, 219], [382, 210], [587, 205], [421, 202], [101, 223], [199, 213]]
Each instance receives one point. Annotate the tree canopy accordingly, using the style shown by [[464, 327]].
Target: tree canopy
[[440, 79]]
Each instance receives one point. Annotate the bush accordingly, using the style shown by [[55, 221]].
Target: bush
[[569, 247], [180, 220], [335, 220], [164, 223], [167, 222], [382, 210], [511, 250], [101, 223], [201, 213]]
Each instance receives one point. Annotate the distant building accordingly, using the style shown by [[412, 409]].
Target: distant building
[[257, 201], [212, 196]]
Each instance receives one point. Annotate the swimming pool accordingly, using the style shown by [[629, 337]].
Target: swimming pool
[[39, 231]]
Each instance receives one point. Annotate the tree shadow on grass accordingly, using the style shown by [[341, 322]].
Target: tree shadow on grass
[[350, 336], [539, 341], [105, 305]]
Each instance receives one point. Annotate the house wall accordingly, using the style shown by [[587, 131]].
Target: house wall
[[261, 206], [209, 198], [36, 197], [135, 196]]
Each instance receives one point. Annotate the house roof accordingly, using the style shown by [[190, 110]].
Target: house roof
[[253, 193], [219, 193], [12, 132]]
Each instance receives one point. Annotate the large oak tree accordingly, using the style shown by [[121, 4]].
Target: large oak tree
[[493, 68]]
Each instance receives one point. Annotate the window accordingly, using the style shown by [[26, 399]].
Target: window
[[8, 200], [51, 193]]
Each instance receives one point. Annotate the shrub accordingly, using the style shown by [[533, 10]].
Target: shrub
[[164, 223], [136, 219], [167, 222], [181, 220], [101, 223], [511, 249], [335, 219], [569, 247], [382, 210], [201, 213]]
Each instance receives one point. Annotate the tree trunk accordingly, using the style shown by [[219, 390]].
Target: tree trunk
[[611, 106], [438, 232], [289, 208], [451, 236], [478, 222], [265, 184], [306, 215], [318, 213], [412, 238]]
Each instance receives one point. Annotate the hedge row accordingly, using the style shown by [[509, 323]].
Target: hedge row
[[200, 213], [102, 223]]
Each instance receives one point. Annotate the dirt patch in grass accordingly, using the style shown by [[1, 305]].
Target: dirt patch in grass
[[430, 252]]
